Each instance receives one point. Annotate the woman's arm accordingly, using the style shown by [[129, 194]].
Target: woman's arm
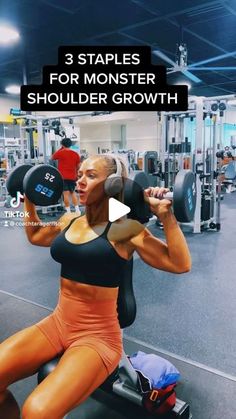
[[40, 233], [172, 256]]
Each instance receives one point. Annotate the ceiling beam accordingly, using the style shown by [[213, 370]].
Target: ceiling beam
[[147, 21], [56, 6]]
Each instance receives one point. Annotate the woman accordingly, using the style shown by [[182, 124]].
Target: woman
[[84, 325]]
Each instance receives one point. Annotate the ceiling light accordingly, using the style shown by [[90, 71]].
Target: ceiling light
[[13, 89], [184, 84], [8, 34]]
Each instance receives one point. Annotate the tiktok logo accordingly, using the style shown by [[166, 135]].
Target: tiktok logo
[[15, 202]]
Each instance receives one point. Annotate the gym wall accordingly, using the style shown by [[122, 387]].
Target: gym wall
[[141, 133], [92, 137]]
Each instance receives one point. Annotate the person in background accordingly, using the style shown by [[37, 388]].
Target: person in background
[[68, 165], [227, 157]]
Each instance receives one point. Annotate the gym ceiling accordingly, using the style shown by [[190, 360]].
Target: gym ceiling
[[207, 27]]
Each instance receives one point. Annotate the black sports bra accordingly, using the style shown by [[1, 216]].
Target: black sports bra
[[95, 262]]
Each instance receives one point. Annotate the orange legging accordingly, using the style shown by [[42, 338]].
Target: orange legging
[[81, 322]]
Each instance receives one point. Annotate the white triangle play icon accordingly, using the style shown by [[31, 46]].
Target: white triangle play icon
[[116, 209]]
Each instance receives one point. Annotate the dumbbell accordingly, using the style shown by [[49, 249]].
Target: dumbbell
[[183, 196], [42, 184]]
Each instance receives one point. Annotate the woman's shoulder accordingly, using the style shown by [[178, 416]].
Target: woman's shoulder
[[126, 229]]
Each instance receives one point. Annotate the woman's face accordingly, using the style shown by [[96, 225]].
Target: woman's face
[[91, 176]]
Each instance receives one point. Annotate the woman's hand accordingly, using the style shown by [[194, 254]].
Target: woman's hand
[[172, 255], [154, 197], [38, 232]]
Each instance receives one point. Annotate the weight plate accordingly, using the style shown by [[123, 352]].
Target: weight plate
[[15, 179], [43, 185], [184, 196], [133, 196]]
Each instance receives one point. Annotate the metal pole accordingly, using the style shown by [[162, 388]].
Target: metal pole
[[163, 145], [213, 170], [198, 157], [41, 141]]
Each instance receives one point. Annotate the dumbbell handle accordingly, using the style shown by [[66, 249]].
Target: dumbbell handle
[[183, 195], [168, 195]]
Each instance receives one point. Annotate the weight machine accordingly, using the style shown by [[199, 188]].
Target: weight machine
[[190, 139], [148, 162], [40, 137]]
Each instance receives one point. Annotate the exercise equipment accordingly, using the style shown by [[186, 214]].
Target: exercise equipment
[[150, 166], [147, 162], [14, 181], [124, 380], [3, 191], [183, 196], [133, 196], [113, 184], [42, 184]]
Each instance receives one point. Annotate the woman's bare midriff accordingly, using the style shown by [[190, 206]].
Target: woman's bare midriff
[[89, 292]]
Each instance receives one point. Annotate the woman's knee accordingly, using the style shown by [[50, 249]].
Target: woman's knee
[[33, 409], [37, 408]]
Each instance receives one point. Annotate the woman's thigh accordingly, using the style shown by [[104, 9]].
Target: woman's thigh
[[22, 354], [79, 372]]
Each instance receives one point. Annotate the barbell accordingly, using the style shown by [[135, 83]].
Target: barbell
[[43, 185]]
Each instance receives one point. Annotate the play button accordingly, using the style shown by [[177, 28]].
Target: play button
[[116, 210], [100, 208]]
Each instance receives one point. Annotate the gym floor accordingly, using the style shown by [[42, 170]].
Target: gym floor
[[189, 319]]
